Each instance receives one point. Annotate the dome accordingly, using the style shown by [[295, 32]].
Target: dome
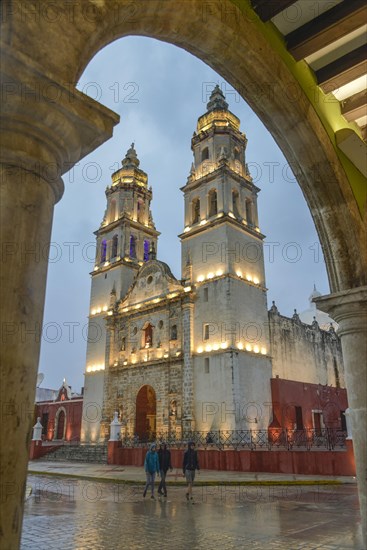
[[308, 316]]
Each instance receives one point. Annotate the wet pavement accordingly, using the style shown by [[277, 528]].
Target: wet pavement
[[68, 513], [132, 474]]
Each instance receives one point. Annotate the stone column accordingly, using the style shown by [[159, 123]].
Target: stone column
[[41, 139], [27, 202], [349, 309], [225, 191], [188, 419], [187, 210]]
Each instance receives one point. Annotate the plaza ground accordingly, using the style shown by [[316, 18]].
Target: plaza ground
[[94, 506]]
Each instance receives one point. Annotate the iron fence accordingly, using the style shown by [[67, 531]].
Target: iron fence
[[329, 439]]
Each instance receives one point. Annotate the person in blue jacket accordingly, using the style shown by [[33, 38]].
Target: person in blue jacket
[[151, 467]]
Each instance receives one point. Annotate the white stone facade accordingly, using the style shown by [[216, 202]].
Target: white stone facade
[[305, 352]]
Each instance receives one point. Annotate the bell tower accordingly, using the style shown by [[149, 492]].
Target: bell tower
[[126, 238], [220, 197], [222, 259]]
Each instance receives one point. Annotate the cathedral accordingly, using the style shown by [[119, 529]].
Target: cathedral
[[203, 352]]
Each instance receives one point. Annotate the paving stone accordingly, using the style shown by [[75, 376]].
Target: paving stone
[[78, 514]]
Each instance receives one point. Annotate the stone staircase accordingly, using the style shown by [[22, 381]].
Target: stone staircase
[[79, 453]]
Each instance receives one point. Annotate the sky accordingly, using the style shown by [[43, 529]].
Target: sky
[[159, 91]]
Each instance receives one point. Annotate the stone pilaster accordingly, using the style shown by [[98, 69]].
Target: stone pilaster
[[349, 309], [188, 420], [41, 139]]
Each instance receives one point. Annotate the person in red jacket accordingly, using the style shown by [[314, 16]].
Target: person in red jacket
[[190, 465]]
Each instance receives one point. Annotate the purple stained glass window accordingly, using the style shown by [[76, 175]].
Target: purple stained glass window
[[103, 251], [146, 250]]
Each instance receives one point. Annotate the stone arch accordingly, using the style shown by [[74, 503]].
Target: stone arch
[[291, 119], [293, 122], [60, 133]]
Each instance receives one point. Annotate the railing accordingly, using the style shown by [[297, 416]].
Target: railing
[[326, 439]]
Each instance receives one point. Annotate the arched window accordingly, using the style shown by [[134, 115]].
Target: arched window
[[236, 153], [103, 250], [115, 244], [235, 203], [213, 207], [146, 250], [132, 246], [195, 210], [174, 332], [204, 154], [249, 216], [112, 214], [148, 336]]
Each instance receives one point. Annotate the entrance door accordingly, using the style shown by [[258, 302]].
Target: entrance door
[[146, 410], [60, 425]]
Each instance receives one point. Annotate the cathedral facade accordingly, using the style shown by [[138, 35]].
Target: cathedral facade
[[197, 353]]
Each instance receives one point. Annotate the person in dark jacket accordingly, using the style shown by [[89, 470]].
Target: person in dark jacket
[[164, 457], [151, 467], [190, 465]]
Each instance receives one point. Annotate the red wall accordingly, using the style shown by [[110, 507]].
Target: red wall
[[37, 450], [286, 394], [333, 463], [73, 408]]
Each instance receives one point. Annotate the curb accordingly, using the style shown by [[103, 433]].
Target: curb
[[209, 483]]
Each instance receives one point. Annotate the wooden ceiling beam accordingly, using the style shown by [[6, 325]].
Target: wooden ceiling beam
[[355, 106], [327, 28], [343, 70]]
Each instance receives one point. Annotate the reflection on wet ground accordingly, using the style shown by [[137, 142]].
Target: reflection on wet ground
[[67, 514]]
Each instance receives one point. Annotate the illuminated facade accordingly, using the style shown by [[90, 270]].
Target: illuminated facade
[[196, 353], [124, 240]]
